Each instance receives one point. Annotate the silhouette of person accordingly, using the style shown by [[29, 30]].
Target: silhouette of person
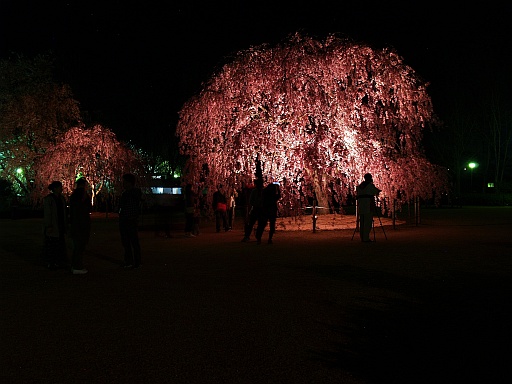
[[365, 195], [163, 218], [245, 196], [191, 202], [256, 206], [80, 211], [231, 208], [54, 227], [271, 195], [220, 207], [129, 211], [197, 220]]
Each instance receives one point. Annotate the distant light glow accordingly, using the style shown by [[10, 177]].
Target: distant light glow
[[166, 191]]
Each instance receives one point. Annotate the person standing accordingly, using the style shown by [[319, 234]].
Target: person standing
[[80, 217], [54, 227], [245, 197], [190, 209], [365, 195], [271, 195], [255, 208], [129, 211], [163, 218], [220, 207], [231, 208]]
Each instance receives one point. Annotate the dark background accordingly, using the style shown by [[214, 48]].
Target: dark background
[[132, 64]]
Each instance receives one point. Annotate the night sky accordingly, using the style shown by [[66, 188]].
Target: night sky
[[132, 64]]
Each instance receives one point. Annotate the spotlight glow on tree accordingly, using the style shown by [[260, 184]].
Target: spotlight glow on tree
[[318, 115], [93, 153]]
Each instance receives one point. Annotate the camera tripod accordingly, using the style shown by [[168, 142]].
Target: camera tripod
[[377, 210]]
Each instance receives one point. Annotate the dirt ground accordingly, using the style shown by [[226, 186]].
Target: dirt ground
[[427, 303]]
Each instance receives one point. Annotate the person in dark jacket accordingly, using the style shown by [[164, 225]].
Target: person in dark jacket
[[366, 192], [129, 211], [220, 206], [191, 203], [54, 227], [271, 195], [255, 208], [80, 210]]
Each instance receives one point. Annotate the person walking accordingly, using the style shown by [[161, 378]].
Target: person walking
[[255, 208], [271, 195], [365, 195], [129, 212], [80, 211], [220, 207], [54, 227]]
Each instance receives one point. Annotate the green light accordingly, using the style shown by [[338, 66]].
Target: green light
[[19, 171]]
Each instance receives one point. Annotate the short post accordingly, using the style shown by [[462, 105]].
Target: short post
[[314, 216], [394, 213], [357, 215], [419, 210]]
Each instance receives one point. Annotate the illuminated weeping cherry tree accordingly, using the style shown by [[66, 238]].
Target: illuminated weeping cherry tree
[[318, 115], [93, 153]]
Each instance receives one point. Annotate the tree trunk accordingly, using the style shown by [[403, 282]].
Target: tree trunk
[[322, 199]]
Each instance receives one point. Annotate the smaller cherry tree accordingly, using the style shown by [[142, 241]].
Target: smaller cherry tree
[[93, 153]]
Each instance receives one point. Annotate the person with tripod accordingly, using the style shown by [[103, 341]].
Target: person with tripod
[[365, 195]]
